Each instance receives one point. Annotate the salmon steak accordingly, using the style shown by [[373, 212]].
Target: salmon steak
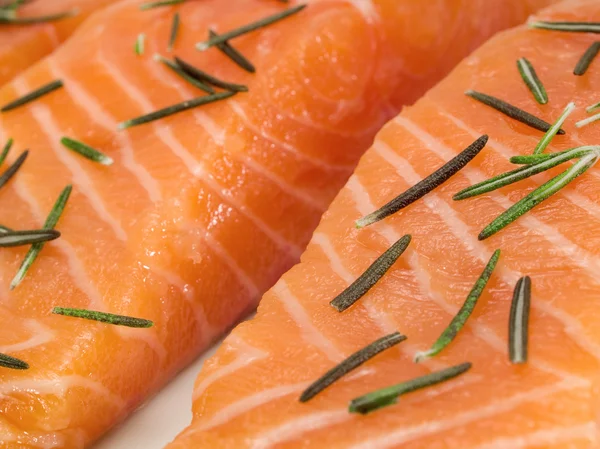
[[149, 202], [30, 30], [434, 324]]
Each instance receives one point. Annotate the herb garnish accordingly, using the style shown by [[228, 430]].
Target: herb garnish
[[426, 185], [5, 150], [586, 59], [511, 111], [150, 5], [351, 363], [519, 321], [118, 320], [532, 80], [215, 40], [389, 395], [174, 32], [10, 171], [179, 71], [369, 278], [465, 311], [35, 249], [232, 53], [20, 238], [40, 92], [7, 361], [545, 141], [86, 151], [587, 121], [571, 27], [9, 16], [200, 75], [170, 110], [140, 46]]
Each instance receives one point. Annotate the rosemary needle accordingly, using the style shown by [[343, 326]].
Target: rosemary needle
[[20, 238], [16, 20], [465, 311], [389, 395], [369, 278], [14, 168], [426, 185], [40, 92], [4, 229], [534, 167], [170, 110], [249, 27], [538, 195], [35, 249], [174, 32], [593, 107], [150, 5], [7, 361], [86, 151], [571, 153], [179, 71], [586, 59], [232, 53], [519, 321], [587, 121], [139, 46], [200, 75], [511, 111], [351, 363], [118, 320], [571, 27], [5, 150], [545, 141], [532, 80]]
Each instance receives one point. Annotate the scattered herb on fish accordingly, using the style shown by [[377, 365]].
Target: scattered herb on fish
[[140, 46], [426, 185], [532, 80], [389, 395], [11, 18], [7, 361], [14, 168], [4, 229], [86, 151], [519, 321], [151, 5], [235, 55], [511, 111], [571, 27], [5, 150], [587, 121], [179, 71], [351, 363], [174, 32], [538, 195], [20, 238], [40, 92], [212, 41], [464, 313], [545, 141], [118, 320], [371, 276], [170, 110], [535, 165], [592, 108], [203, 76], [586, 59], [35, 249]]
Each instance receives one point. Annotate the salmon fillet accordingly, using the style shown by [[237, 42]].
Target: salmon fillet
[[202, 211], [22, 45], [247, 395]]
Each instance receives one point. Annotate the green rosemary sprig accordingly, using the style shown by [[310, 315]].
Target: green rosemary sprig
[[545, 141], [174, 32], [371, 276], [519, 321], [565, 155], [35, 249], [140, 44], [511, 111], [86, 151], [11, 18], [179, 71], [170, 110], [20, 238], [351, 363], [118, 320], [532, 80], [249, 27], [7, 361], [389, 396], [4, 229], [40, 92], [234, 54], [464, 313], [206, 77], [586, 59], [538, 195], [158, 4], [425, 186], [5, 150], [570, 27], [13, 169], [587, 121], [593, 107]]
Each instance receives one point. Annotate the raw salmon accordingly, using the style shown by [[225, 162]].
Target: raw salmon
[[22, 45], [247, 395], [201, 211]]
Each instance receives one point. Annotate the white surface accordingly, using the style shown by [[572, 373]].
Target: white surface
[[162, 418]]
